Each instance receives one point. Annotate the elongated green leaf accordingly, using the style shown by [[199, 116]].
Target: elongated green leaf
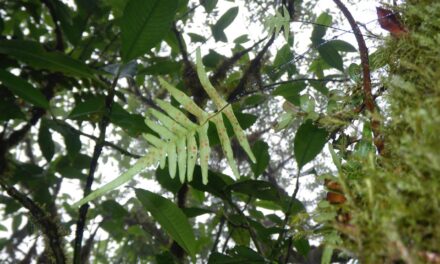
[[340, 45], [331, 56], [258, 189], [170, 217], [261, 149], [322, 22], [309, 141], [224, 21], [209, 5], [71, 139], [194, 211], [9, 109], [36, 56], [327, 255], [144, 24], [91, 106], [149, 160], [23, 89], [45, 141]]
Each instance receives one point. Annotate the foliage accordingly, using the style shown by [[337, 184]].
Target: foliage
[[393, 203], [89, 89]]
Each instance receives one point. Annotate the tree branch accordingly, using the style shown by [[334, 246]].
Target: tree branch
[[253, 69], [106, 143], [93, 165], [220, 72], [217, 236], [368, 95], [49, 228]]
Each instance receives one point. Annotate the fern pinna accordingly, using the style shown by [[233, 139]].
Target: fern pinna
[[178, 136]]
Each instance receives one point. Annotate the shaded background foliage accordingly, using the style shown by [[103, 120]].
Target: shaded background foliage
[[77, 78]]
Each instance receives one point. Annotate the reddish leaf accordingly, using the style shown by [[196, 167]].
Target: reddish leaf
[[389, 21], [335, 198]]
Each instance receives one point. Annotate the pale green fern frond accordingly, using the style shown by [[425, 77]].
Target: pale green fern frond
[[278, 21], [177, 132]]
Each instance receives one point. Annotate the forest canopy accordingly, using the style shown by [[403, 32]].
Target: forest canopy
[[217, 131]]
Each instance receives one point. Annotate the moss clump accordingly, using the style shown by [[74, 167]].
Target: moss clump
[[395, 208]]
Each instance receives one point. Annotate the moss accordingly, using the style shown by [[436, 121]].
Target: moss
[[395, 208]]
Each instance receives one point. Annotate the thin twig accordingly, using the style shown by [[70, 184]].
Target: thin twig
[[93, 165], [217, 236], [106, 143], [287, 215], [368, 95], [302, 80]]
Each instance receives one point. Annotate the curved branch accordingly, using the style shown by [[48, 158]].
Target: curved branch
[[368, 95], [49, 228]]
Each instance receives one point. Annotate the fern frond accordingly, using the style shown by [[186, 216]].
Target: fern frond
[[279, 21], [177, 133]]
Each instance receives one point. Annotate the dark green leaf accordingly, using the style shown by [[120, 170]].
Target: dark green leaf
[[161, 66], [72, 168], [165, 258], [241, 39], [91, 106], [240, 236], [302, 245], [247, 254], [239, 254], [45, 141], [36, 56], [224, 21], [322, 22], [133, 124], [9, 109], [289, 90], [283, 60], [196, 37], [16, 222], [170, 217], [209, 5], [331, 56], [23, 89], [144, 24], [308, 143], [319, 86], [212, 59], [261, 152], [113, 209], [165, 180], [125, 70], [217, 184], [340, 45], [194, 211], [71, 139], [256, 188]]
